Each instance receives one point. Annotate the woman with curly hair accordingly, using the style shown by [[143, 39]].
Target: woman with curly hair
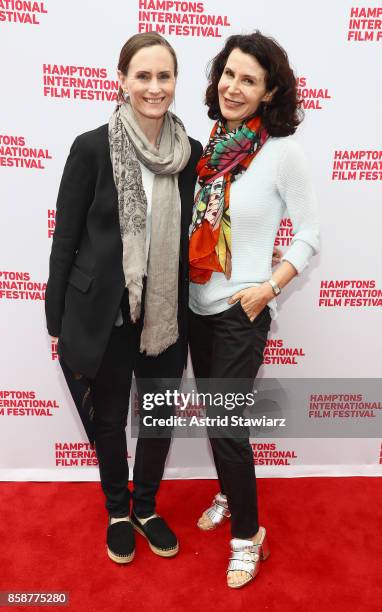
[[251, 173]]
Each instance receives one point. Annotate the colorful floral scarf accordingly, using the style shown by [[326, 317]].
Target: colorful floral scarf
[[225, 158]]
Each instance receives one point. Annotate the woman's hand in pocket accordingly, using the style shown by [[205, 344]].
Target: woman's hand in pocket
[[253, 300]]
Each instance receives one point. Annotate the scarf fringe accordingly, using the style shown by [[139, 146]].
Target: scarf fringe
[[155, 349]]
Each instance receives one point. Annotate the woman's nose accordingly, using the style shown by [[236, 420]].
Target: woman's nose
[[154, 86], [233, 86]]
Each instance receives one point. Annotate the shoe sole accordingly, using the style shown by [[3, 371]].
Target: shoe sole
[[119, 558], [238, 586], [158, 551]]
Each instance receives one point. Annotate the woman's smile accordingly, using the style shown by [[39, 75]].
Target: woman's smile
[[154, 100], [231, 103]]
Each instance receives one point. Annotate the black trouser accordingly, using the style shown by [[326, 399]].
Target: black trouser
[[224, 347], [111, 393]]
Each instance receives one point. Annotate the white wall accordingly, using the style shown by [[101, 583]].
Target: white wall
[[337, 341]]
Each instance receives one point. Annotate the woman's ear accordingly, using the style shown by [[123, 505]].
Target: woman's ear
[[121, 79]]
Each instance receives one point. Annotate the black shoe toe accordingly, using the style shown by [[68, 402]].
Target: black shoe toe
[[121, 541], [161, 538]]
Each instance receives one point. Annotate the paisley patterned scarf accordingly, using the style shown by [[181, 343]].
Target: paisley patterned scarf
[[225, 158], [128, 144]]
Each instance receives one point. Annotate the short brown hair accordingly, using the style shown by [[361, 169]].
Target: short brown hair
[[282, 114], [135, 44]]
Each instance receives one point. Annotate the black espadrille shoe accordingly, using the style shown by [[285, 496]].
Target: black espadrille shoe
[[120, 541], [162, 540]]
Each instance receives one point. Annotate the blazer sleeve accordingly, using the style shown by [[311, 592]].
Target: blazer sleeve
[[75, 196]]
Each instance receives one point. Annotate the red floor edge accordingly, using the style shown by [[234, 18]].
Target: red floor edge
[[325, 536]]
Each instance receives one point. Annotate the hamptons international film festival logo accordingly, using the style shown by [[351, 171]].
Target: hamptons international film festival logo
[[15, 402], [17, 11], [357, 165], [20, 286], [76, 454], [82, 83], [354, 293], [285, 233], [272, 454], [53, 350], [276, 353], [342, 406], [312, 98], [16, 152], [180, 19], [51, 222], [365, 24]]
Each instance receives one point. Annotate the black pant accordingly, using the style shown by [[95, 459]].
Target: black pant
[[110, 393], [224, 347]]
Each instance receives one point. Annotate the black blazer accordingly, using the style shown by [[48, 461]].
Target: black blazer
[[86, 280]]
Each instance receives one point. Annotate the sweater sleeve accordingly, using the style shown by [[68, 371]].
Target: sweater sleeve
[[295, 186]]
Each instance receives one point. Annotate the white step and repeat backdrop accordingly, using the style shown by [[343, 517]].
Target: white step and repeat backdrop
[[58, 79]]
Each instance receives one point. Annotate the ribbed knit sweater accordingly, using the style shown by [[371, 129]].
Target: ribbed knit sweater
[[277, 183]]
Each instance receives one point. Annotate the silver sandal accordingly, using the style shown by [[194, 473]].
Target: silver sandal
[[246, 557], [218, 513]]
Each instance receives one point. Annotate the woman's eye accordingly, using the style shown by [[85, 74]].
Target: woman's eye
[[248, 81], [164, 77], [143, 77]]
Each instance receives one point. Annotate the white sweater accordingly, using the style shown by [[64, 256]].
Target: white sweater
[[276, 183]]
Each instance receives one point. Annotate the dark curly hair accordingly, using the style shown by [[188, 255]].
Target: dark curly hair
[[283, 113]]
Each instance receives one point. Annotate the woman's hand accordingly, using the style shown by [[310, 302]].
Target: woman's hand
[[276, 256], [253, 300], [54, 339]]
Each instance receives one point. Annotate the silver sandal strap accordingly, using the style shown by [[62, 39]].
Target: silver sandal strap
[[218, 511], [245, 557], [220, 500], [242, 566]]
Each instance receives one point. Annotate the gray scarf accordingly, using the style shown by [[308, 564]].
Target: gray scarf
[[128, 144]]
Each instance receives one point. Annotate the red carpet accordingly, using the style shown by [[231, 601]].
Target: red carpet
[[325, 536]]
